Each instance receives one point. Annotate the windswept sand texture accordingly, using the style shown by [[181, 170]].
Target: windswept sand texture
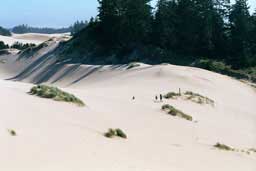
[[55, 136]]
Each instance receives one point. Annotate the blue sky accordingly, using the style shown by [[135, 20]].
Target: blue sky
[[50, 13]]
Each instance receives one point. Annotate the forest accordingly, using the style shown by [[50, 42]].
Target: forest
[[176, 31]]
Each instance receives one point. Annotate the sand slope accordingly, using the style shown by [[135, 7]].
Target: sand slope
[[59, 136]]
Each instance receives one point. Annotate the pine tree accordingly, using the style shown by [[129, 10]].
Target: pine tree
[[239, 29]]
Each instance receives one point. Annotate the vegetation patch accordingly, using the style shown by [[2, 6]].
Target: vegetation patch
[[21, 46], [55, 94], [222, 68], [12, 132], [228, 148], [133, 65], [175, 112], [31, 49], [115, 133], [223, 147], [171, 95], [5, 32], [252, 150], [189, 95], [198, 98]]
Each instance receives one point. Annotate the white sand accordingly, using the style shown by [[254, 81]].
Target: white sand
[[55, 136], [28, 38]]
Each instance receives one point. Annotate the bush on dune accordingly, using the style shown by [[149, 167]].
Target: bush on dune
[[55, 94]]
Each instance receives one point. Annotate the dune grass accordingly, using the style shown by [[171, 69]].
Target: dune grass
[[171, 95], [223, 147], [189, 95], [55, 94], [115, 133], [228, 148], [175, 112], [198, 98]]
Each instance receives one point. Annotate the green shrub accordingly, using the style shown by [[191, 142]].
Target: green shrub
[[223, 147], [133, 65], [55, 94], [175, 112], [115, 133]]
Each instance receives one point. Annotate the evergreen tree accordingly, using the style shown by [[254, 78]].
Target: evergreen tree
[[239, 34], [124, 23], [165, 24]]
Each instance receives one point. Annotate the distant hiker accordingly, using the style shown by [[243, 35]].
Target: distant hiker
[[156, 97], [133, 98], [161, 97]]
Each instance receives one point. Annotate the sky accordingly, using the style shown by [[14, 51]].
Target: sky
[[50, 13]]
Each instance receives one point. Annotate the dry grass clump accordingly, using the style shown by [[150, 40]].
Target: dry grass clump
[[133, 65], [223, 147], [175, 112], [115, 133], [55, 94]]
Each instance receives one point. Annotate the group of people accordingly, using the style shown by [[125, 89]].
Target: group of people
[[160, 97]]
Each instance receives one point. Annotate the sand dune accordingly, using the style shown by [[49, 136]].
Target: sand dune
[[58, 136], [35, 38]]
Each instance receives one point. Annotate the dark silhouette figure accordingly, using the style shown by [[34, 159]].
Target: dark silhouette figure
[[161, 97], [133, 98], [156, 98]]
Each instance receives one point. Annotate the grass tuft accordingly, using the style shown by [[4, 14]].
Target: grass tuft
[[55, 94], [175, 112]]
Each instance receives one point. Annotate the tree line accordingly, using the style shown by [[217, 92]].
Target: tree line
[[213, 29], [4, 32], [74, 28]]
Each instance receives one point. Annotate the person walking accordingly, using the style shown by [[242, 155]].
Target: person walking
[[161, 97]]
